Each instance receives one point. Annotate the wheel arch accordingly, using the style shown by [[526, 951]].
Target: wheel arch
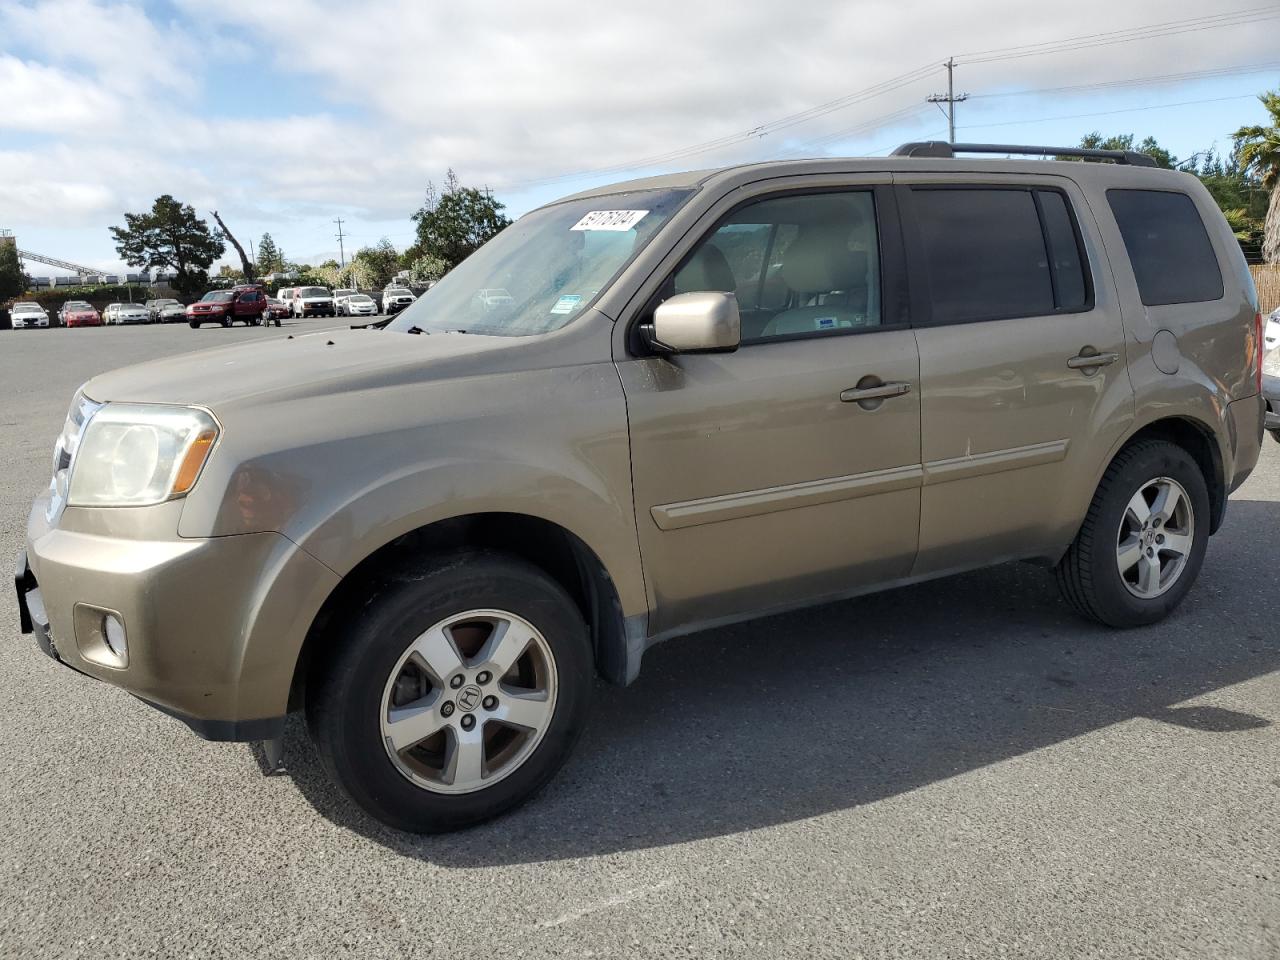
[[1200, 441], [555, 550]]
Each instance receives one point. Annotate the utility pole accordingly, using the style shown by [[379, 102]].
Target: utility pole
[[950, 99], [342, 253]]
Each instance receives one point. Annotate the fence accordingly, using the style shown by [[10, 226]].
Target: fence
[[1267, 279]]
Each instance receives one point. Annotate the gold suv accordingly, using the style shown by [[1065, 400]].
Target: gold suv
[[694, 399]]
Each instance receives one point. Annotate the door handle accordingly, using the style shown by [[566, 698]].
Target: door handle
[[1084, 361], [881, 392]]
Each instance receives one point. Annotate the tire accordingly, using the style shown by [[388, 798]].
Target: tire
[[226, 321], [193, 324], [1275, 435], [349, 686], [1089, 574]]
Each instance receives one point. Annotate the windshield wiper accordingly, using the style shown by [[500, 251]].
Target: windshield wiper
[[415, 330]]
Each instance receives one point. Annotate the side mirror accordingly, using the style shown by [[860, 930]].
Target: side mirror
[[701, 322]]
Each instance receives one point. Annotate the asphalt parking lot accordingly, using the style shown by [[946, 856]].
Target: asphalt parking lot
[[950, 770]]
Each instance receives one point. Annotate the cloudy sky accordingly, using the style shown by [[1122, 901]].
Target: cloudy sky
[[286, 114]]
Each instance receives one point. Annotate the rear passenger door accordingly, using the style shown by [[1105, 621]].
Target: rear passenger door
[[1024, 388]]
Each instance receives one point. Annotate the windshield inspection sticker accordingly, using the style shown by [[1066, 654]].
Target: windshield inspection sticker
[[617, 220], [567, 304]]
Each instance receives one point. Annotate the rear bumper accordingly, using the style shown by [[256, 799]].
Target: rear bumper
[[1245, 427], [213, 625]]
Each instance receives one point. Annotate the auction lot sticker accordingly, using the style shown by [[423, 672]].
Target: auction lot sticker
[[618, 220]]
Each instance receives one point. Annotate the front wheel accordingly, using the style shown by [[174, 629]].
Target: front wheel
[[1141, 545], [456, 693], [193, 325]]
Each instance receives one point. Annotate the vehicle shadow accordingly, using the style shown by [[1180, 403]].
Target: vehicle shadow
[[802, 714]]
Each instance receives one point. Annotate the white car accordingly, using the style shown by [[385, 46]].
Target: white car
[[491, 298], [358, 305], [130, 313], [1271, 330], [313, 302], [340, 295], [109, 312], [395, 299], [286, 294], [28, 315]]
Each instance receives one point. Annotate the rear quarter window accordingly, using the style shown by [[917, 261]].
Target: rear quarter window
[[1172, 257]]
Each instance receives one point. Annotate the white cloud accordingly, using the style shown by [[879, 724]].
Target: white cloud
[[506, 92]]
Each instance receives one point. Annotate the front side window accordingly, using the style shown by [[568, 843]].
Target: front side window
[[798, 264], [543, 270], [1173, 259]]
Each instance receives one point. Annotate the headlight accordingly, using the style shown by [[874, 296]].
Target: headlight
[[135, 454]]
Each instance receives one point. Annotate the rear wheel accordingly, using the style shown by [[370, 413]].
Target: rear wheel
[[1143, 540], [455, 695]]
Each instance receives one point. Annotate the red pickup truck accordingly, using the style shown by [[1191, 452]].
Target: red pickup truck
[[244, 303]]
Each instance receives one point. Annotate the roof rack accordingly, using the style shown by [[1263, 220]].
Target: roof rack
[[943, 149]]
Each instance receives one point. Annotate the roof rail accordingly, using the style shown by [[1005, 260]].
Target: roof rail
[[940, 148]]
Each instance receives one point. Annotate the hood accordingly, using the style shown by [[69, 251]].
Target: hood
[[314, 299], [296, 367]]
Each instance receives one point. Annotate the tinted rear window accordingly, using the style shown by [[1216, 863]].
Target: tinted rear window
[[1173, 260], [985, 254]]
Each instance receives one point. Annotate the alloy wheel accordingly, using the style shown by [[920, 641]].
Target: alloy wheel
[[1155, 538], [469, 701]]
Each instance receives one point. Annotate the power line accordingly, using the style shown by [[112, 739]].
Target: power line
[[1140, 81], [342, 253], [1108, 113], [756, 132], [1146, 32]]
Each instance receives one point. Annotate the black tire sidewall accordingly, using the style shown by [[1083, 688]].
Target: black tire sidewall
[[345, 691], [1114, 601]]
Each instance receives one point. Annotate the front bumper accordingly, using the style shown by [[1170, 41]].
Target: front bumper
[[214, 626]]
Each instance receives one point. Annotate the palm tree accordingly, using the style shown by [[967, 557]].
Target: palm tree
[[1260, 155]]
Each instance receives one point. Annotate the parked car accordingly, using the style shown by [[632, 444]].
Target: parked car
[[165, 310], [432, 537], [227, 306], [358, 305], [28, 314], [313, 302], [130, 313], [79, 313], [276, 311], [285, 294], [339, 296], [493, 298], [1271, 374], [395, 299], [109, 312]]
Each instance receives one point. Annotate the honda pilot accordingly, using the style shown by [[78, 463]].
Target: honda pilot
[[699, 398]]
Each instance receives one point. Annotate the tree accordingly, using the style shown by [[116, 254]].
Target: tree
[[245, 263], [1259, 148], [13, 281], [170, 237], [270, 257], [1125, 141], [427, 269], [454, 223], [376, 265]]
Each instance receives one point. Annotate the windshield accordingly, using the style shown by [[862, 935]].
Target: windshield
[[360, 298], [544, 269], [26, 308], [77, 305], [313, 292], [216, 297]]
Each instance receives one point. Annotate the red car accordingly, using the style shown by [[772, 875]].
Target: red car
[[276, 311], [78, 313], [246, 304]]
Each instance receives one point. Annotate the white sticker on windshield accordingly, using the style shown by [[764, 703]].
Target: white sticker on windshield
[[617, 220], [567, 304]]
